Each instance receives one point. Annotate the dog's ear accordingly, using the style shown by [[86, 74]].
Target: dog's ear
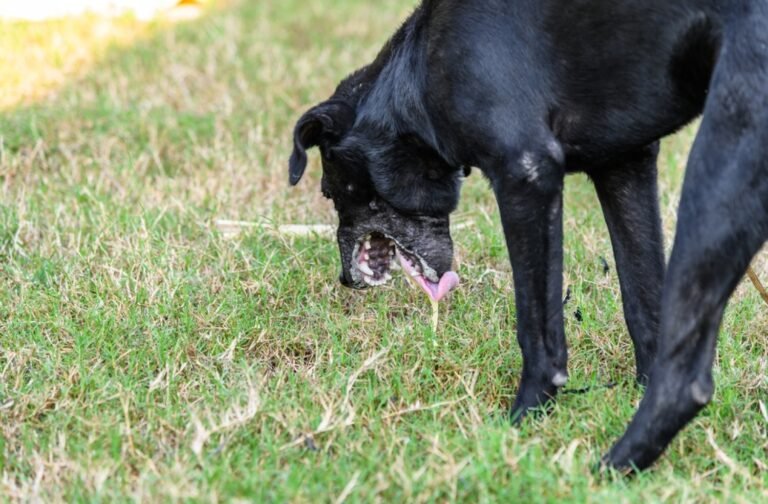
[[328, 121]]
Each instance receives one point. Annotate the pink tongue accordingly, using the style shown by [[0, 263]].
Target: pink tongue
[[437, 291]]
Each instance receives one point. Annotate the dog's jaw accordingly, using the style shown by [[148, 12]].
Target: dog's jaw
[[375, 255]]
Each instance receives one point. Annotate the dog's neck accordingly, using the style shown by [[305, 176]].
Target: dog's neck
[[389, 92]]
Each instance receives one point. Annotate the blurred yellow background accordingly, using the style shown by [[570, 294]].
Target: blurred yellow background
[[37, 10]]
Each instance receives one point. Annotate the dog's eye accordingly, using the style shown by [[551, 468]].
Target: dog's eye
[[350, 188], [373, 205]]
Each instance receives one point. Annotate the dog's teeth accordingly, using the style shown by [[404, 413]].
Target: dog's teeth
[[367, 257], [367, 245], [365, 269]]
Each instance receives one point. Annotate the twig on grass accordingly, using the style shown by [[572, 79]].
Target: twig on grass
[[231, 228], [757, 283]]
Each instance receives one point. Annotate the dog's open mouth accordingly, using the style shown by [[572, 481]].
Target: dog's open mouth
[[377, 255]]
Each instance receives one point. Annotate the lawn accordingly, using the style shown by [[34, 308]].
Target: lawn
[[148, 352]]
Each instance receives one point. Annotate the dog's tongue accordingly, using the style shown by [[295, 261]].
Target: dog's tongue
[[437, 291]]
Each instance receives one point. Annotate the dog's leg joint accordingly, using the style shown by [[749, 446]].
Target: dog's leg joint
[[702, 390], [560, 379], [530, 170]]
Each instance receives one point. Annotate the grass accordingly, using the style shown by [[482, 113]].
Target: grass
[[147, 355]]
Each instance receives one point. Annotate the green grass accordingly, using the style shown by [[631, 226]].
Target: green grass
[[145, 354]]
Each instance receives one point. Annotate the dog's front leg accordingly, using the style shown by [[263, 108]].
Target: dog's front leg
[[529, 194]]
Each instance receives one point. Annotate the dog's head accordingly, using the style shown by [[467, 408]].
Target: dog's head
[[393, 195]]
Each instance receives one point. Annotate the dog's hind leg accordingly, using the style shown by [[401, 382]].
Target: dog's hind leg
[[723, 222], [629, 196]]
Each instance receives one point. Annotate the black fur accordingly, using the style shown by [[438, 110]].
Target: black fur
[[529, 90]]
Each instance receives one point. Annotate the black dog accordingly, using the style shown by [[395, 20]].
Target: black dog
[[528, 91]]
